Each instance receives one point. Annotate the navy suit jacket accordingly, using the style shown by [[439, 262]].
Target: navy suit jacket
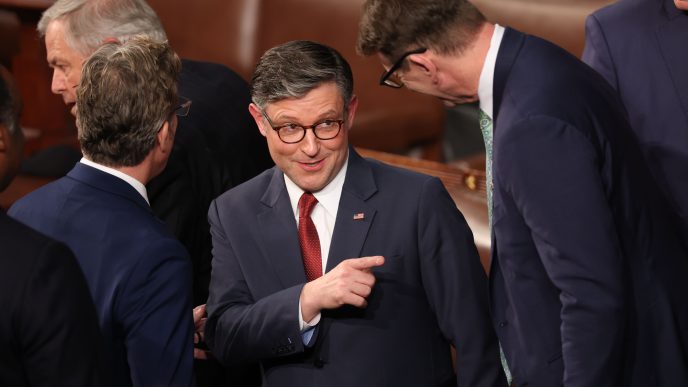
[[639, 46], [138, 273], [588, 271], [430, 293], [49, 332]]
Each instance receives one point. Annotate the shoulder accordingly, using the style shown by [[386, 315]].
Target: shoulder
[[626, 11], [248, 192]]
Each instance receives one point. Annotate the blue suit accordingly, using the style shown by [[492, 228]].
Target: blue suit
[[588, 268], [639, 46], [430, 293], [138, 274]]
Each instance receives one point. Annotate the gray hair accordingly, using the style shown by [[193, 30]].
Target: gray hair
[[89, 23], [127, 92], [293, 69]]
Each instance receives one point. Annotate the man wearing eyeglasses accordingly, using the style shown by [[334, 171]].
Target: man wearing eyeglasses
[[137, 272], [334, 270], [588, 265]]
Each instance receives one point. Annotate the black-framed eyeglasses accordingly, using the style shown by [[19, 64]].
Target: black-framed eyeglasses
[[182, 110], [388, 77], [293, 133]]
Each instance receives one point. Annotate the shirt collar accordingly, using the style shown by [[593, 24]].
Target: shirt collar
[[486, 82], [328, 197], [137, 185]]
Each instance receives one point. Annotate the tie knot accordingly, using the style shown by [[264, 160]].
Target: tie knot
[[306, 204]]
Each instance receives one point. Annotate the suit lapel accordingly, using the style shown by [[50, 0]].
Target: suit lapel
[[109, 183], [508, 50], [354, 215], [281, 237], [671, 34]]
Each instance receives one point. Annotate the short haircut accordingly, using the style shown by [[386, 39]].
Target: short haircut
[[89, 23], [391, 27], [127, 91], [10, 105], [293, 69]]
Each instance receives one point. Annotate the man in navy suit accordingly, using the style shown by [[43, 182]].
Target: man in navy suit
[[588, 269], [639, 46], [288, 288], [138, 273], [216, 147], [48, 328]]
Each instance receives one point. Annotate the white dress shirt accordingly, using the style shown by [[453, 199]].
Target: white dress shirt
[[486, 82], [138, 186]]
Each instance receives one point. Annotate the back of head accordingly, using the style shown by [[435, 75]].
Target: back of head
[[391, 27], [11, 136], [90, 23], [293, 69], [127, 91]]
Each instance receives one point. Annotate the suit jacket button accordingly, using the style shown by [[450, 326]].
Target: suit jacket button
[[502, 324]]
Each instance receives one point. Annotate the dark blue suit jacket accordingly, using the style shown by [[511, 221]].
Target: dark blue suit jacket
[[588, 271], [138, 274], [431, 292], [640, 47], [49, 332]]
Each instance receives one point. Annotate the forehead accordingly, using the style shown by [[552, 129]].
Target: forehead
[[324, 99], [56, 44]]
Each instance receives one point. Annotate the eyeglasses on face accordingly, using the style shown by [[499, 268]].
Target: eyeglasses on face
[[389, 78], [182, 109], [293, 133]]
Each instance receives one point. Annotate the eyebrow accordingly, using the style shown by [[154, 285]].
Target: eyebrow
[[322, 116]]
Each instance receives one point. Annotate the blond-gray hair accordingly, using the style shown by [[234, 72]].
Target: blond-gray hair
[[89, 23], [127, 92]]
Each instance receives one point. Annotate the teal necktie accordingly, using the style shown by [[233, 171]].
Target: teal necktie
[[486, 129]]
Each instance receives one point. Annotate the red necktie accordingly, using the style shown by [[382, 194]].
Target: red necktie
[[308, 237]]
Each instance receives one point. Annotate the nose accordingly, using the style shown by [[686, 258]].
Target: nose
[[310, 145], [58, 85]]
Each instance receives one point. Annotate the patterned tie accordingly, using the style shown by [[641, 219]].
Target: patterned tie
[[486, 128], [308, 237]]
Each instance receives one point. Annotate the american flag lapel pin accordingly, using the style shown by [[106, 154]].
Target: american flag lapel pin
[[359, 216]]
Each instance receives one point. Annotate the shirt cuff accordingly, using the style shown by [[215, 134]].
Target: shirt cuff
[[303, 325]]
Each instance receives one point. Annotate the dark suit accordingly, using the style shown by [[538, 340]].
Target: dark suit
[[216, 147], [639, 46], [138, 274], [48, 326], [430, 293], [587, 266]]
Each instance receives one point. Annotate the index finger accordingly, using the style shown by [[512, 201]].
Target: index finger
[[367, 262], [198, 312]]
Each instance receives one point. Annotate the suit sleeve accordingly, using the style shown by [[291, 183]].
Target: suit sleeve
[[240, 329], [456, 286], [58, 325], [156, 315], [552, 172], [596, 52]]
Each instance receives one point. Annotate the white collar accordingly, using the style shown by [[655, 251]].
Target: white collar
[[138, 186], [486, 82], [328, 197]]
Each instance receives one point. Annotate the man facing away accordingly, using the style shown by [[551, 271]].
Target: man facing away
[[287, 287], [48, 328], [216, 147], [588, 268], [137, 272]]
